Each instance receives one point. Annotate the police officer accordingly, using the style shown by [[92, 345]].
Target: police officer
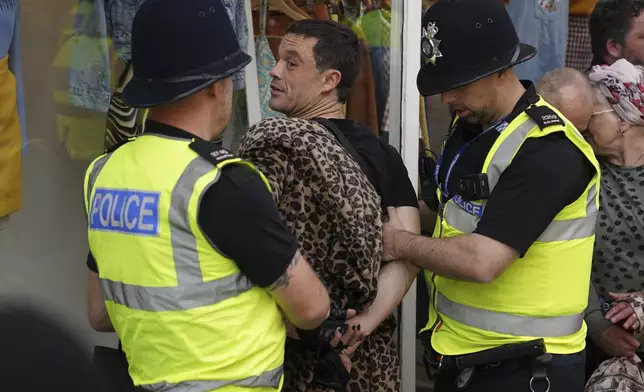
[[517, 195], [191, 265]]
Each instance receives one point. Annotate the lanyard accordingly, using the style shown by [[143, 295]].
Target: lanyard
[[499, 126]]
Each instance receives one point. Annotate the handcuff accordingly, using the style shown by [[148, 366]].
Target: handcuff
[[329, 372]]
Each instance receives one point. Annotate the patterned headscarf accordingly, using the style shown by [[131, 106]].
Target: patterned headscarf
[[623, 86]]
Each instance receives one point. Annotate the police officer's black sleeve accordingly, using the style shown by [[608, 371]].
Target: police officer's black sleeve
[[547, 174], [240, 218]]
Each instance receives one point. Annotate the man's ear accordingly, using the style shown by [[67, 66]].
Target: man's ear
[[214, 89], [219, 88], [332, 79], [614, 48]]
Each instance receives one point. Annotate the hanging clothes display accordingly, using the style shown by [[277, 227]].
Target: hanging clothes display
[[82, 89], [544, 25], [265, 62], [11, 139], [361, 105], [90, 62], [376, 27], [123, 122]]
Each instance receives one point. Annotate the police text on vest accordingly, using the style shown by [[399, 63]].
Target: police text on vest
[[469, 207], [125, 211]]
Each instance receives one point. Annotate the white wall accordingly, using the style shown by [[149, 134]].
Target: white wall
[[43, 249]]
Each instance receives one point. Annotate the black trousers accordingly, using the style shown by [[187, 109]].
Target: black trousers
[[566, 374]]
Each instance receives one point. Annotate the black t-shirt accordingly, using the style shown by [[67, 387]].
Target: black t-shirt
[[382, 165], [238, 215], [547, 174]]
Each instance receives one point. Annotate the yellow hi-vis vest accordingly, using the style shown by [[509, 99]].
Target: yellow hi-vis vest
[[188, 319], [542, 295]]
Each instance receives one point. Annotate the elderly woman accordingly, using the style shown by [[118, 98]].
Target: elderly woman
[[616, 132]]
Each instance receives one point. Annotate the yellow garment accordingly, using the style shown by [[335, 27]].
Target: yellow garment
[[184, 312], [581, 7], [10, 143], [545, 293], [81, 130]]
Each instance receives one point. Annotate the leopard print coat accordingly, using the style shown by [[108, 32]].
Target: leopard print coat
[[329, 203]]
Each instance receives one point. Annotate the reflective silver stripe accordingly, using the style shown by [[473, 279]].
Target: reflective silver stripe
[[159, 299], [561, 230], [460, 219], [191, 290], [504, 154], [269, 379], [573, 229], [93, 175], [509, 324]]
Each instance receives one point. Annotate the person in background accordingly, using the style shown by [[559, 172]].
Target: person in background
[[40, 354], [544, 25], [579, 51], [190, 263], [331, 178], [616, 132], [569, 92], [622, 374], [617, 31], [518, 193]]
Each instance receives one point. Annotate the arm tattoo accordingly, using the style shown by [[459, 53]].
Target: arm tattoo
[[285, 279]]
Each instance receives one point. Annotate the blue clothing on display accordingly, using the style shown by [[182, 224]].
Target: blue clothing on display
[[98, 20], [237, 14], [89, 61], [265, 63], [544, 25], [119, 16], [10, 45]]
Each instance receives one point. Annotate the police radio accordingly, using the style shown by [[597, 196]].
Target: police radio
[[428, 187]]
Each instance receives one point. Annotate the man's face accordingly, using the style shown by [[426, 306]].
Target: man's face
[[633, 51], [474, 102], [297, 83]]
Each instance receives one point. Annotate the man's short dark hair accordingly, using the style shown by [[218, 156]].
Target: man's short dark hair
[[612, 20], [337, 48]]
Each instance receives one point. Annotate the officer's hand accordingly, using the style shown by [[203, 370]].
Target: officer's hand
[[391, 226], [617, 342]]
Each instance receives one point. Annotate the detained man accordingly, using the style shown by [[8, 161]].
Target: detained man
[[332, 178]]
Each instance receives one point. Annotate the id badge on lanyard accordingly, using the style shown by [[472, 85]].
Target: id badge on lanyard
[[499, 126]]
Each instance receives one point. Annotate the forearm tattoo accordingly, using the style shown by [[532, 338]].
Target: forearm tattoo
[[285, 279]]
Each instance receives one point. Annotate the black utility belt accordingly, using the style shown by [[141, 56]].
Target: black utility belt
[[532, 352], [510, 352]]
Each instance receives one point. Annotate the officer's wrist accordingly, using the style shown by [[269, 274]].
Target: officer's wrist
[[399, 244]]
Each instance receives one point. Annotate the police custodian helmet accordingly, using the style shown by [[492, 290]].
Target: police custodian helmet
[[464, 41]]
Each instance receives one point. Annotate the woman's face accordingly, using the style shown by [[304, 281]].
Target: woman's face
[[603, 131]]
